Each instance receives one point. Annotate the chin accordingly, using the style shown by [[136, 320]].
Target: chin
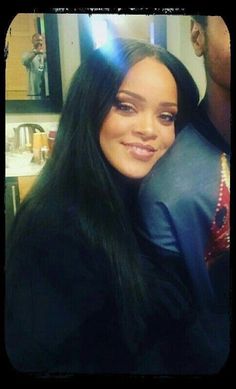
[[135, 175]]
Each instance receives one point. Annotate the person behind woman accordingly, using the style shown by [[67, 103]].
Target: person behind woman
[[184, 210], [76, 290]]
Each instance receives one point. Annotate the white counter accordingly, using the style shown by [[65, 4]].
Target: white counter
[[20, 165]]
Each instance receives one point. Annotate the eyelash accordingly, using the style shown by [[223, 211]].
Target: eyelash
[[165, 117], [125, 107]]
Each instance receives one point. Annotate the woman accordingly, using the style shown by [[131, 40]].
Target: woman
[[77, 294]]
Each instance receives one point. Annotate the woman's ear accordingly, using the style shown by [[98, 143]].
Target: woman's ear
[[197, 38]]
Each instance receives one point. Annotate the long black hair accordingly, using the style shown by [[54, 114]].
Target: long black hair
[[77, 172]]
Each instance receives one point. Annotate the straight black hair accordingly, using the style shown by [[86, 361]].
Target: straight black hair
[[77, 173]]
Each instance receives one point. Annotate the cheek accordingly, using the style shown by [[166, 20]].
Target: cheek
[[110, 134], [114, 127], [110, 128], [168, 138]]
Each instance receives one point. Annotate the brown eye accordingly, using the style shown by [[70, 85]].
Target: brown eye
[[167, 117], [125, 107]]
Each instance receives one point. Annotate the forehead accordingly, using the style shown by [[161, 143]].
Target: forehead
[[147, 72]]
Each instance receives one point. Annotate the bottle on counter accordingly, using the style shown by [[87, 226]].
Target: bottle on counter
[[40, 147], [45, 147], [51, 140], [37, 145]]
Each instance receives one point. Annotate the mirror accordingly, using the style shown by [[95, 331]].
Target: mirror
[[26, 93]]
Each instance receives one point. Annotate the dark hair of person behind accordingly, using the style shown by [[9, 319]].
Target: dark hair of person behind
[[201, 19], [77, 173]]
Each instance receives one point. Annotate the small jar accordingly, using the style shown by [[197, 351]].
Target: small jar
[[37, 145], [51, 140], [44, 153]]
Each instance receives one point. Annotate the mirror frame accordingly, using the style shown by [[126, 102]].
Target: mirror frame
[[53, 104]]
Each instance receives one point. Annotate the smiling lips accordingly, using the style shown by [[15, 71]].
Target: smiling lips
[[140, 151]]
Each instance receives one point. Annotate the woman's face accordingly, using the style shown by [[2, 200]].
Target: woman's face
[[139, 127]]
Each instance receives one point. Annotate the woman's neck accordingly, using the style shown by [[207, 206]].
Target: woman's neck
[[126, 187], [123, 182]]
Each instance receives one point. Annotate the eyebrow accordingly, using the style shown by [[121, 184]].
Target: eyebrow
[[141, 98], [135, 95]]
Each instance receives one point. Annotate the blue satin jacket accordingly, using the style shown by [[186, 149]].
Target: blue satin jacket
[[183, 227]]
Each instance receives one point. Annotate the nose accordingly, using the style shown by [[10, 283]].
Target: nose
[[146, 127]]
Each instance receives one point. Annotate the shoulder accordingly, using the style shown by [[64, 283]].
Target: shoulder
[[189, 150], [189, 163]]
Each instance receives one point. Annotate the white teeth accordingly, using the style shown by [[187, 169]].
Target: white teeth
[[141, 150]]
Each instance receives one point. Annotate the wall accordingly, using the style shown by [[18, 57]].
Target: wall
[[69, 47], [70, 59], [178, 42]]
